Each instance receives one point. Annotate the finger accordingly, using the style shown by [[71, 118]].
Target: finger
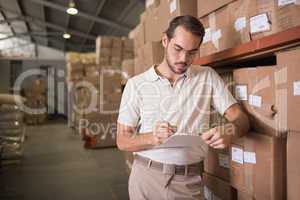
[[218, 142], [221, 146], [214, 138], [165, 134], [208, 134]]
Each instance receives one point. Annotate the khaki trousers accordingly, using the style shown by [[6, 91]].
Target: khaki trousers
[[148, 183]]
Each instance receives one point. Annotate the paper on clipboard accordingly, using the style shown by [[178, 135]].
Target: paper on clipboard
[[181, 141]]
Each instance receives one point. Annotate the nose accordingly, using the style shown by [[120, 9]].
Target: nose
[[183, 57]]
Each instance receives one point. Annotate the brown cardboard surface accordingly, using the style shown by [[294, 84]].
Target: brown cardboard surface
[[269, 163], [287, 80], [182, 7], [261, 103], [244, 196], [219, 188], [206, 7], [216, 163], [150, 54], [127, 68], [152, 20], [220, 31], [293, 170], [280, 17], [241, 11]]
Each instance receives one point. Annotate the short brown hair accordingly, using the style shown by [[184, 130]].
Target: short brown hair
[[190, 23]]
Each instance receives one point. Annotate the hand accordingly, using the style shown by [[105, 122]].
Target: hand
[[219, 137], [162, 131]]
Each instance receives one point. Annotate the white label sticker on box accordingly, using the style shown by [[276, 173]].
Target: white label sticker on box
[[223, 160], [207, 35], [240, 23], [285, 2], [249, 157], [255, 100], [296, 88], [241, 92], [259, 23], [173, 6], [216, 35], [237, 155]]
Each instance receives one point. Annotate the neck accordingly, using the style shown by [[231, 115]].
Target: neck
[[164, 70]]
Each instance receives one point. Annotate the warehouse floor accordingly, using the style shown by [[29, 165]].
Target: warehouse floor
[[56, 166]]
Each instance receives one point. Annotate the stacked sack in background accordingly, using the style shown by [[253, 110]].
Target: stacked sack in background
[[35, 93], [12, 128], [229, 23]]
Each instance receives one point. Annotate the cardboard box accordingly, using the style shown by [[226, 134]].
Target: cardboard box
[[220, 33], [153, 19], [274, 16], [293, 170], [241, 11], [206, 7], [159, 17], [216, 163], [153, 53], [287, 78], [257, 166], [255, 89], [127, 69], [182, 7], [215, 188], [271, 94]]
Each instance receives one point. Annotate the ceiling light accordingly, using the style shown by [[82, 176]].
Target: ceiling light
[[72, 10], [66, 36]]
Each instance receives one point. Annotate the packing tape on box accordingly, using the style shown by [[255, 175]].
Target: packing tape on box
[[215, 34]]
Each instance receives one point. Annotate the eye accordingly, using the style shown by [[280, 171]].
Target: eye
[[177, 48], [193, 53]]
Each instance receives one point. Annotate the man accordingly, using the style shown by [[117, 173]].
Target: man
[[174, 98]]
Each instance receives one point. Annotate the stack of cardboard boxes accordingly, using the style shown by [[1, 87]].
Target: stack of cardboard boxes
[[272, 102], [35, 94], [95, 82], [12, 132], [229, 23], [262, 164], [153, 23]]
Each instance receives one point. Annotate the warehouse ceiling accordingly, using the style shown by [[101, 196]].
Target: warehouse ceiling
[[45, 21]]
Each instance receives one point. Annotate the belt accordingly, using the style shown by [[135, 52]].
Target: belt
[[185, 170]]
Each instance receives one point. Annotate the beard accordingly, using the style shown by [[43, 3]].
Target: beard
[[173, 67]]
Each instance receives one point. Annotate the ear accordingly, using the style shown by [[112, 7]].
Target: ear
[[165, 40]]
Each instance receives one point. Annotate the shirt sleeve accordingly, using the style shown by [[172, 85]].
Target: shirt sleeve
[[129, 112], [222, 98]]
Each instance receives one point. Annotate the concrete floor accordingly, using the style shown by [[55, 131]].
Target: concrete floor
[[57, 167]]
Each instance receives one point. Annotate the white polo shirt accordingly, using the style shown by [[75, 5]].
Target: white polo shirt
[[148, 98]]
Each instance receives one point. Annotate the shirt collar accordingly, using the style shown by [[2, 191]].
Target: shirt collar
[[152, 75]]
